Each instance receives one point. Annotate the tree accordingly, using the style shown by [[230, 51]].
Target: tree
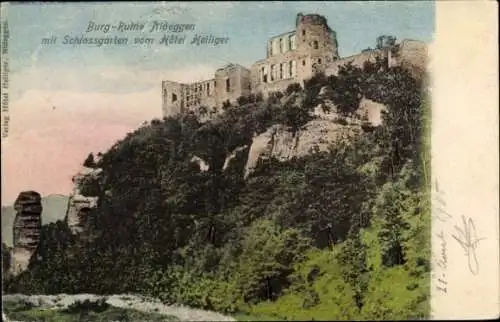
[[89, 161], [293, 88], [267, 259], [384, 41], [355, 270]]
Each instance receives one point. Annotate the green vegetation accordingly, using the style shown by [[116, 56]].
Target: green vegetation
[[87, 311], [342, 234]]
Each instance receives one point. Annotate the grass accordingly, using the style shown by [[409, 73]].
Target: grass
[[244, 316], [22, 311]]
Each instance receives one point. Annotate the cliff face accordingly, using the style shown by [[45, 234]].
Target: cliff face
[[27, 228], [281, 143], [78, 204], [328, 128]]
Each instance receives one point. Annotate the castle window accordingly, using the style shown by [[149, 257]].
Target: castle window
[[303, 32], [273, 72], [281, 71], [319, 60], [303, 62], [228, 85], [315, 44], [174, 97], [292, 42], [208, 89], [283, 45], [263, 74], [293, 68]]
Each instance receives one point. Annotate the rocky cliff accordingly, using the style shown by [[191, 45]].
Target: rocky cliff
[[79, 205], [327, 128], [26, 230]]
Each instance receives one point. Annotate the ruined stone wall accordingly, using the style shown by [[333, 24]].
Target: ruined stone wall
[[315, 47], [411, 55], [179, 97], [291, 57], [172, 97], [286, 68], [357, 60], [317, 41], [199, 94], [26, 230], [231, 82]]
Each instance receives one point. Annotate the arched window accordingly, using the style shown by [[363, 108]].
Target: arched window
[[315, 44], [273, 72]]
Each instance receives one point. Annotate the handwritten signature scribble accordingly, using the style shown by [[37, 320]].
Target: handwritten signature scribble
[[467, 238]]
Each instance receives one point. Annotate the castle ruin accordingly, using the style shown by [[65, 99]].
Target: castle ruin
[[292, 57]]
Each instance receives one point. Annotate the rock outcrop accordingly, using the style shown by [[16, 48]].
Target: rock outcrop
[[26, 230], [80, 205], [54, 208], [282, 143], [327, 128]]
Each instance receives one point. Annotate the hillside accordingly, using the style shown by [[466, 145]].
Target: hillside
[[269, 211], [54, 209]]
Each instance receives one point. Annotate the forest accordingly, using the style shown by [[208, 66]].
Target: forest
[[342, 234]]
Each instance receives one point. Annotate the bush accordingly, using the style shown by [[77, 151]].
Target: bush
[[226, 104], [242, 100], [98, 306], [292, 88], [89, 162]]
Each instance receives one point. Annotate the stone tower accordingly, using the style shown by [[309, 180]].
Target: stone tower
[[317, 41], [27, 228], [173, 98]]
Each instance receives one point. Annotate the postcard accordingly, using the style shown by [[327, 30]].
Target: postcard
[[249, 161]]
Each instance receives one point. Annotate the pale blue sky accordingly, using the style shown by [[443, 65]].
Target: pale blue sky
[[247, 24]]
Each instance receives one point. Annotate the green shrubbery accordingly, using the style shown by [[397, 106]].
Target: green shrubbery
[[335, 235]]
